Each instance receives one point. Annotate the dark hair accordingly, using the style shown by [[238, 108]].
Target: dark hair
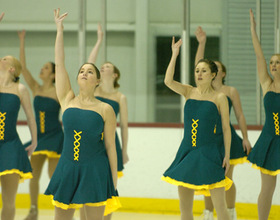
[[16, 79], [53, 69], [117, 71], [212, 65], [53, 66], [96, 69], [224, 70]]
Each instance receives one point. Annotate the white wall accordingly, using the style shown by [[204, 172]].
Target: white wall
[[132, 27], [151, 151]]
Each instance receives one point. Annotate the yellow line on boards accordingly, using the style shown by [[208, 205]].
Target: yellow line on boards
[[150, 205]]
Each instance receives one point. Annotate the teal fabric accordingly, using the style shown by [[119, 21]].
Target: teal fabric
[[52, 138], [12, 152], [200, 164], [266, 152], [83, 173], [115, 105]]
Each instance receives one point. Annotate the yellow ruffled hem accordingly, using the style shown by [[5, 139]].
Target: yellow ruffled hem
[[265, 171], [239, 161], [111, 204], [23, 176], [200, 189], [120, 174], [49, 154]]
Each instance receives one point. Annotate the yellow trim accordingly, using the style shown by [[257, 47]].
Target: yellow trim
[[265, 171], [239, 161], [276, 123], [120, 174], [23, 176], [42, 121], [2, 125], [49, 154], [77, 144], [111, 204], [150, 205], [200, 189]]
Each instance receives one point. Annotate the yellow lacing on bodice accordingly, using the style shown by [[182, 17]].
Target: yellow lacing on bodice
[[42, 121], [2, 125], [77, 137], [215, 129], [276, 122], [102, 136], [194, 131]]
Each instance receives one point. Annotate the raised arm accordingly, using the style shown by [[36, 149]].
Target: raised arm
[[110, 145], [32, 83], [264, 77], [1, 16], [63, 86], [26, 104], [169, 75], [124, 127], [224, 110], [235, 98], [201, 38], [94, 52]]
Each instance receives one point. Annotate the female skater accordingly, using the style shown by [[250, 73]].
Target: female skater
[[107, 92], [86, 174], [239, 148], [49, 130], [200, 164], [14, 162], [265, 154]]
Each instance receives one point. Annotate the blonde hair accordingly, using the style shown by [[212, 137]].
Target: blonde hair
[[17, 66]]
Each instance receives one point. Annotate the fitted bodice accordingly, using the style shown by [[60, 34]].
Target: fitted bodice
[[9, 108], [83, 134]]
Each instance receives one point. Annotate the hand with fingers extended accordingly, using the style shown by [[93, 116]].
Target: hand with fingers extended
[[59, 19], [99, 33], [21, 34], [176, 46], [252, 21], [200, 35], [1, 16]]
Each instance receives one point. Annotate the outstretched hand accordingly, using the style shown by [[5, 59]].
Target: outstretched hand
[[99, 32], [59, 19], [21, 34], [2, 15], [252, 20], [200, 35], [176, 46]]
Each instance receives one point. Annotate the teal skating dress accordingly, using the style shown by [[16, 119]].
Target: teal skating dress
[[49, 129], [83, 174], [237, 154], [198, 163], [115, 105], [13, 157], [265, 155]]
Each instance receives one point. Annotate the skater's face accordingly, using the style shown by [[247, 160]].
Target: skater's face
[[47, 72], [107, 72], [203, 74], [220, 74], [88, 76], [274, 65]]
